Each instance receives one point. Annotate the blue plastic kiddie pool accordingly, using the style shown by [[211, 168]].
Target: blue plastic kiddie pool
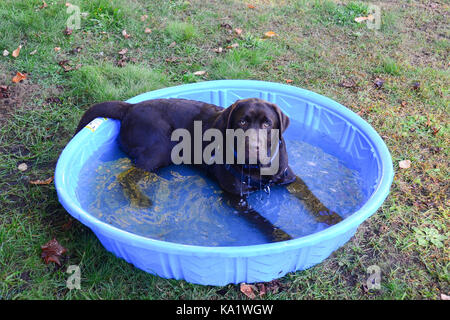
[[345, 134]]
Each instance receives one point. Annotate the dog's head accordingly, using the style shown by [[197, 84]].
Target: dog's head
[[256, 118]]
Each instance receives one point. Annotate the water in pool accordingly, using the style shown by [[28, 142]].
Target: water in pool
[[188, 207]]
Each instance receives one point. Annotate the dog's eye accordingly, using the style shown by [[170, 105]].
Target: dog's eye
[[242, 122], [266, 124]]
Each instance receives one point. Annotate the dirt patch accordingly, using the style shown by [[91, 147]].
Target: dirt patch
[[14, 95]]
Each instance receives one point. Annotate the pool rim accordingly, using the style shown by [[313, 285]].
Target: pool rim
[[350, 223]]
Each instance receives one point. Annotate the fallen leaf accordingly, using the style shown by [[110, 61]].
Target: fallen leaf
[[233, 46], [68, 4], [218, 50], [434, 5], [445, 297], [378, 83], [274, 286], [22, 167], [144, 17], [16, 52], [404, 164], [122, 62], [436, 130], [148, 30], [123, 51], [44, 5], [248, 290], [76, 50], [238, 31], [32, 53], [200, 73], [250, 6], [262, 289], [67, 225], [172, 60], [125, 34], [19, 77], [403, 104], [65, 65], [269, 34], [67, 31], [361, 19], [42, 182], [348, 83], [289, 80], [5, 53], [52, 251], [173, 44], [226, 26], [57, 49]]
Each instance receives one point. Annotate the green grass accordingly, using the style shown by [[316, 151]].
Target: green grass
[[318, 45], [106, 82]]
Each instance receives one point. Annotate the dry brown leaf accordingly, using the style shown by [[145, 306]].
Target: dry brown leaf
[[348, 83], [16, 52], [238, 31], [68, 4], [123, 51], [125, 34], [44, 5], [269, 34], [361, 19], [65, 65], [144, 17], [173, 60], [445, 297], [218, 50], [52, 251], [67, 31], [148, 30], [33, 52], [200, 73], [19, 77], [233, 46], [262, 289], [173, 44], [250, 6], [289, 80], [378, 83], [57, 49], [247, 289], [404, 164], [42, 182], [5, 53]]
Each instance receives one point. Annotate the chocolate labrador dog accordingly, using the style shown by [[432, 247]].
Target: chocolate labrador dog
[[146, 136]]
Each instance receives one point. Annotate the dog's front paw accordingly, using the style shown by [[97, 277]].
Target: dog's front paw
[[329, 217], [280, 235]]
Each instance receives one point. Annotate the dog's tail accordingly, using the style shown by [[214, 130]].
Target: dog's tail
[[108, 109]]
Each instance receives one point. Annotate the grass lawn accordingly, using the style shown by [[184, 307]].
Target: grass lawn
[[396, 78]]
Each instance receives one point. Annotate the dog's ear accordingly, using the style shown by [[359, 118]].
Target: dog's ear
[[282, 118], [223, 120]]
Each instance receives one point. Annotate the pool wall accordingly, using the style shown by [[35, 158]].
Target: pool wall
[[354, 141]]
